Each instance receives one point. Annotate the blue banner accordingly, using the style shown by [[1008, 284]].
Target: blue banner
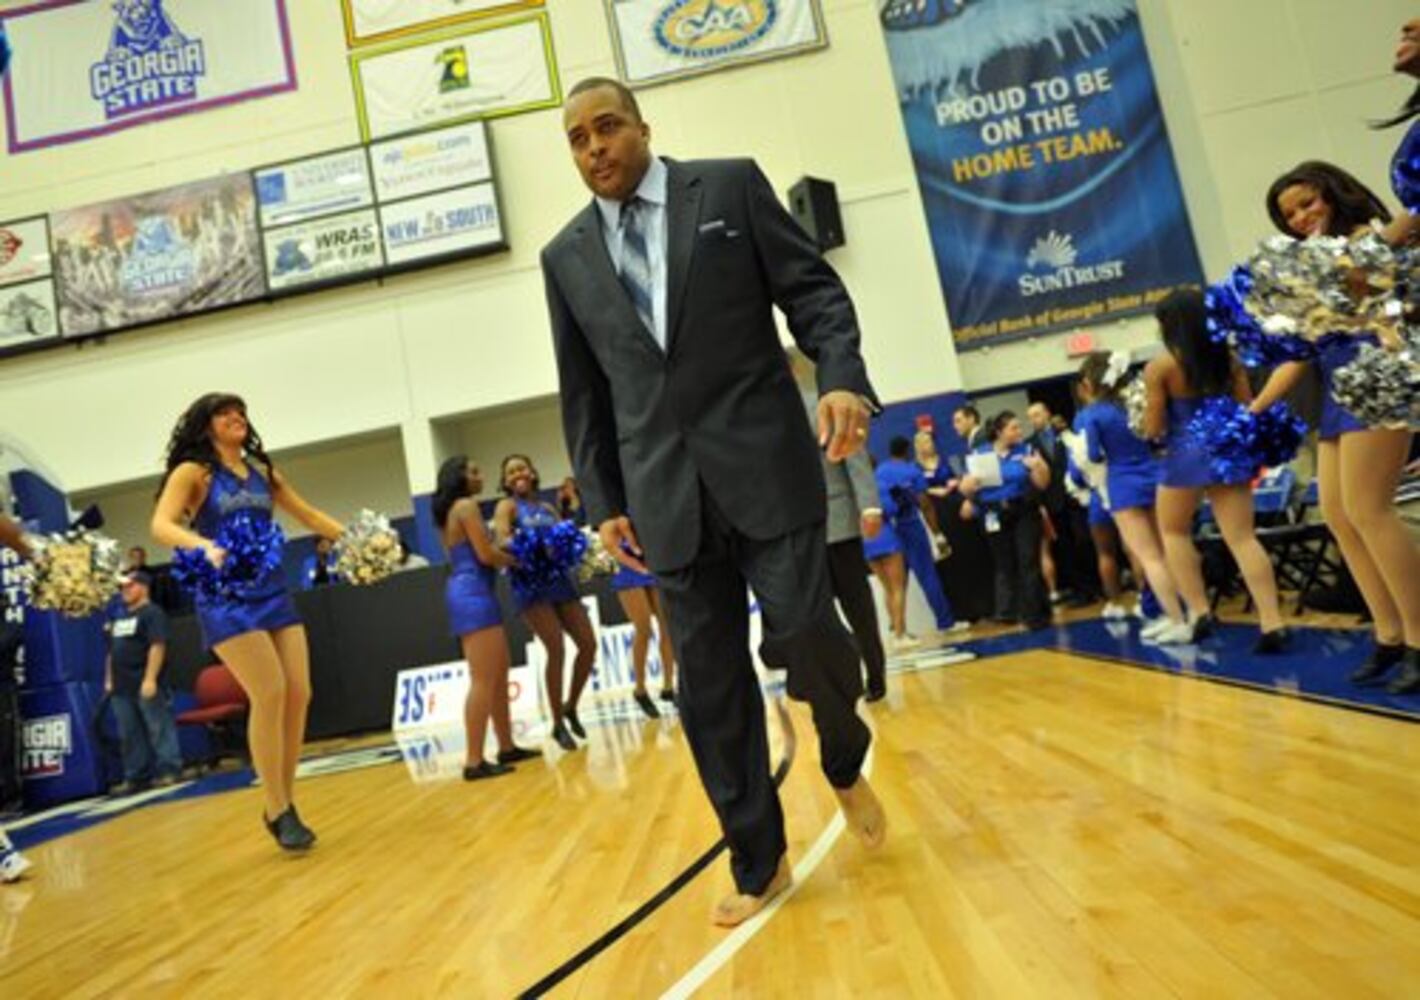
[[1045, 168]]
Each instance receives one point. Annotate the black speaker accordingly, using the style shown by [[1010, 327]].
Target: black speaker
[[814, 205]]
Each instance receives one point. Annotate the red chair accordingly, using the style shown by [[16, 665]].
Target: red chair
[[222, 710]]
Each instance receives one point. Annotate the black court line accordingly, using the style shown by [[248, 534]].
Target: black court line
[[578, 961]]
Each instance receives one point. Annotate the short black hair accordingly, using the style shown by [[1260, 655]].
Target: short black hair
[[899, 447], [628, 99], [970, 411]]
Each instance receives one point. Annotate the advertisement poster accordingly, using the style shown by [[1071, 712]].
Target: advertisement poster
[[337, 246], [431, 161], [439, 224], [312, 187]]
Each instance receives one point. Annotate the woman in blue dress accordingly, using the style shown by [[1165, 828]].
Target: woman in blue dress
[[641, 600], [1193, 369], [218, 469], [903, 489], [1131, 480], [471, 596], [884, 555], [1358, 467], [553, 610]]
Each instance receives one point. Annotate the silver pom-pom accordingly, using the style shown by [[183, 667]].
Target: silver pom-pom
[[1327, 284], [597, 561], [76, 574], [368, 550], [1381, 388], [1135, 399]]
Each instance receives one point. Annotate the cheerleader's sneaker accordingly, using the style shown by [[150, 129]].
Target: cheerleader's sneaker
[[13, 865], [1114, 612]]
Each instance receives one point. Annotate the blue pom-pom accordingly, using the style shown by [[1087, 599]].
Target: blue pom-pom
[[1240, 442], [545, 555], [1230, 322], [253, 545]]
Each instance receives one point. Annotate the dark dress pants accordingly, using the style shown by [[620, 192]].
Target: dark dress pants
[[849, 571]]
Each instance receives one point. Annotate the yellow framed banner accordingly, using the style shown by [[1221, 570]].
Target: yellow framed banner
[[460, 74], [660, 40], [369, 21]]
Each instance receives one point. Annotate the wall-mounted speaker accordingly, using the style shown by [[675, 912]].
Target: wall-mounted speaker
[[814, 205]]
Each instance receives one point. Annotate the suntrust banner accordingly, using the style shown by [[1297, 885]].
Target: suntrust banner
[[86, 68], [1045, 168]]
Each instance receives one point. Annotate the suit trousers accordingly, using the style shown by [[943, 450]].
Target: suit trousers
[[1015, 549], [849, 572], [720, 703]]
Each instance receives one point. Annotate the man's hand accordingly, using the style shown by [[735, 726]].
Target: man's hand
[[149, 689], [871, 525], [616, 531], [969, 486], [842, 424], [1033, 461]]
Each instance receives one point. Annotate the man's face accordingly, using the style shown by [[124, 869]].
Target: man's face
[[611, 148], [1039, 416], [134, 593], [962, 423]]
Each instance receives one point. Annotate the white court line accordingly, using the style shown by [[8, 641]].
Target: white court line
[[716, 958]]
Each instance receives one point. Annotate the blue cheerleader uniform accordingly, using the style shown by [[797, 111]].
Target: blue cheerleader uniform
[[469, 592]]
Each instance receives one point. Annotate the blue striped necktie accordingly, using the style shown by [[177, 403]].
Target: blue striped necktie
[[636, 260]]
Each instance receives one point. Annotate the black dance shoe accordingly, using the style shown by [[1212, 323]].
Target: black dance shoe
[[647, 705], [483, 769], [563, 737], [517, 754], [668, 694], [1205, 628], [574, 723], [1381, 662], [290, 833], [1271, 643], [1408, 680]]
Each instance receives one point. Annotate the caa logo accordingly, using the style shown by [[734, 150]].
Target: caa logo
[[47, 742], [709, 29]]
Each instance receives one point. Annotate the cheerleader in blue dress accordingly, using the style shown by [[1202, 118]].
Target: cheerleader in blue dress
[[1131, 482], [471, 597], [641, 600], [553, 610], [217, 470], [883, 552], [1193, 369], [903, 489]]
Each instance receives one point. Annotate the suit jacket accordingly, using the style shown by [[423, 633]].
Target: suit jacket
[[852, 487], [718, 408]]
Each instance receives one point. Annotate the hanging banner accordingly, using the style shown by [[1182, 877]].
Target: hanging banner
[[328, 249], [85, 69], [431, 161], [376, 20], [485, 71], [1044, 165], [157, 256], [660, 40], [314, 186]]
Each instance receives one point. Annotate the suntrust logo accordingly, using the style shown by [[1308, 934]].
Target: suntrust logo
[[1055, 254]]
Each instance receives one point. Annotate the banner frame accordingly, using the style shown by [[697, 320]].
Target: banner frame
[[354, 41]]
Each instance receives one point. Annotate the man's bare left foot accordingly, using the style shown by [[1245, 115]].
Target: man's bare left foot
[[863, 812], [738, 907]]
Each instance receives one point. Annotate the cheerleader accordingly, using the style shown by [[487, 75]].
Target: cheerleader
[[1131, 479], [13, 864], [1358, 467], [553, 610], [474, 616], [883, 551], [641, 601], [903, 489], [217, 469], [1194, 369]]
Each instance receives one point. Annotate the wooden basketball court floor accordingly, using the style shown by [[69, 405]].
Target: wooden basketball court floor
[[1059, 827]]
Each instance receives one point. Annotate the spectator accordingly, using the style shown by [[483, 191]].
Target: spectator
[[966, 421], [409, 559], [146, 729], [319, 569], [136, 559], [569, 503]]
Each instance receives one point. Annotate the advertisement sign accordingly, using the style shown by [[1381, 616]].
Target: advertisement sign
[[312, 187], [1045, 169], [338, 246], [438, 224], [82, 70], [28, 314], [24, 250], [431, 161], [659, 40], [168, 253], [483, 71]]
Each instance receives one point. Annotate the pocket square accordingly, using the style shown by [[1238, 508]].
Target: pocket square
[[712, 225]]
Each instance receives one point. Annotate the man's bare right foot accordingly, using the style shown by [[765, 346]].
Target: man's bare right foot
[[738, 907], [863, 812]]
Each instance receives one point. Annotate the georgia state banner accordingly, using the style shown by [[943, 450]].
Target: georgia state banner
[[87, 68], [1044, 164]]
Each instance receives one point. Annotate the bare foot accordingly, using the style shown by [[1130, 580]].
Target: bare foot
[[737, 907], [863, 812]]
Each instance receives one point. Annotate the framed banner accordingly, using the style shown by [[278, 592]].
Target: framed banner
[[431, 161], [483, 71], [24, 250], [1045, 169], [85, 69], [660, 40], [321, 251], [28, 315], [378, 20], [441, 225], [157, 256], [313, 186]]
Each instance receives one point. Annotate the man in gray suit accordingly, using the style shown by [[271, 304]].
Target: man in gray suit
[[688, 439], [855, 512]]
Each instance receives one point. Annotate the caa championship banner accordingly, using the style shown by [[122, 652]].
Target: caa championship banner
[[87, 68], [1045, 169], [659, 40]]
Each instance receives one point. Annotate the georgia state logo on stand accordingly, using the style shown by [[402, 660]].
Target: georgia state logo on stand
[[708, 29]]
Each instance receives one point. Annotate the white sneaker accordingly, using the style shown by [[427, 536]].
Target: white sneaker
[[957, 628], [1172, 634], [1114, 612], [1153, 626], [12, 865], [905, 643]]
